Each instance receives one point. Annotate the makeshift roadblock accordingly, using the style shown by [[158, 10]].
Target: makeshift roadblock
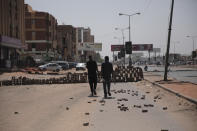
[[120, 74]]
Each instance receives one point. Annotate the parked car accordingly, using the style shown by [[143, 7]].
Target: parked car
[[72, 65], [50, 67], [63, 64], [189, 62], [158, 63], [80, 66]]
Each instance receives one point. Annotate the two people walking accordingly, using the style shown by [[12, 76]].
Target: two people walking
[[106, 72]]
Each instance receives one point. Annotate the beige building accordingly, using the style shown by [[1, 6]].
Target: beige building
[[84, 36], [11, 31], [40, 35], [67, 42]]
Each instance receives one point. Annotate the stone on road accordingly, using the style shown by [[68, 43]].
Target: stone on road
[[69, 107]]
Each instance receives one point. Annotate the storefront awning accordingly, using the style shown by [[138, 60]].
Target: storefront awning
[[11, 42]]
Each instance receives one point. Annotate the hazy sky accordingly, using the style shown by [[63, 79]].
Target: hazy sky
[[149, 27]]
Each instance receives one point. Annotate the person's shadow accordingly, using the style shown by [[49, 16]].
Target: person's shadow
[[110, 97], [93, 96]]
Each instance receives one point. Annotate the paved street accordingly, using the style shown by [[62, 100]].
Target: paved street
[[179, 73], [133, 106]]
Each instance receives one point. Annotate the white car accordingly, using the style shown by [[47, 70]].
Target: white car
[[50, 67], [63, 64], [80, 66]]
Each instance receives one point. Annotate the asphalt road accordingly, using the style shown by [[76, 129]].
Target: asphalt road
[[132, 107], [181, 74]]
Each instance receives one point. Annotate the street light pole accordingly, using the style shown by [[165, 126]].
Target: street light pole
[[122, 31], [130, 29], [193, 37], [118, 43]]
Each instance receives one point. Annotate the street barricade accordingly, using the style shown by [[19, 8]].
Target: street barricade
[[120, 74]]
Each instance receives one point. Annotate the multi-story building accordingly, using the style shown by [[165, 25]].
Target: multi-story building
[[84, 36], [67, 42], [40, 34], [87, 37], [11, 31]]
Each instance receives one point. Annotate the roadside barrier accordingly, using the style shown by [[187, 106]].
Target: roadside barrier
[[120, 74]]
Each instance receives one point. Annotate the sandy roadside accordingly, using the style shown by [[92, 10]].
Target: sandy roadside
[[46, 107]]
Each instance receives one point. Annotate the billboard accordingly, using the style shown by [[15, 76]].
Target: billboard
[[87, 46], [156, 50], [98, 46], [142, 47], [116, 47], [135, 47]]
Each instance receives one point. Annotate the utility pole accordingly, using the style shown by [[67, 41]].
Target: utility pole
[[168, 44]]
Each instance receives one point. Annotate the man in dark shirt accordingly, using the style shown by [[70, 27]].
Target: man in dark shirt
[[92, 75], [106, 70]]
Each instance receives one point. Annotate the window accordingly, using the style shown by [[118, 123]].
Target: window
[[52, 65], [49, 23], [33, 22], [10, 4], [33, 45], [10, 12], [17, 32], [33, 34], [16, 16], [15, 4], [11, 30]]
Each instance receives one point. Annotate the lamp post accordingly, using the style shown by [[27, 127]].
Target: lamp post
[[193, 37], [117, 39], [129, 15], [129, 21], [175, 42], [118, 43], [122, 31]]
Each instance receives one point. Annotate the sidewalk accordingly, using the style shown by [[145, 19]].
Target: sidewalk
[[183, 89]]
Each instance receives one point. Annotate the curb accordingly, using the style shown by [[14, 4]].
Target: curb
[[174, 92]]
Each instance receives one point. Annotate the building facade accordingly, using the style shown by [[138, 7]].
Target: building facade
[[84, 36], [40, 35], [11, 32], [67, 42], [87, 37]]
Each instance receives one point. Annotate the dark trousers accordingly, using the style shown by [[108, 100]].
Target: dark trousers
[[106, 83], [92, 83]]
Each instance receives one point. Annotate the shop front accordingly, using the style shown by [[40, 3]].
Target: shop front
[[9, 48]]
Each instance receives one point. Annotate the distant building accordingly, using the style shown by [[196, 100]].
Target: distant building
[[84, 36], [67, 42], [40, 34], [11, 31], [87, 37]]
